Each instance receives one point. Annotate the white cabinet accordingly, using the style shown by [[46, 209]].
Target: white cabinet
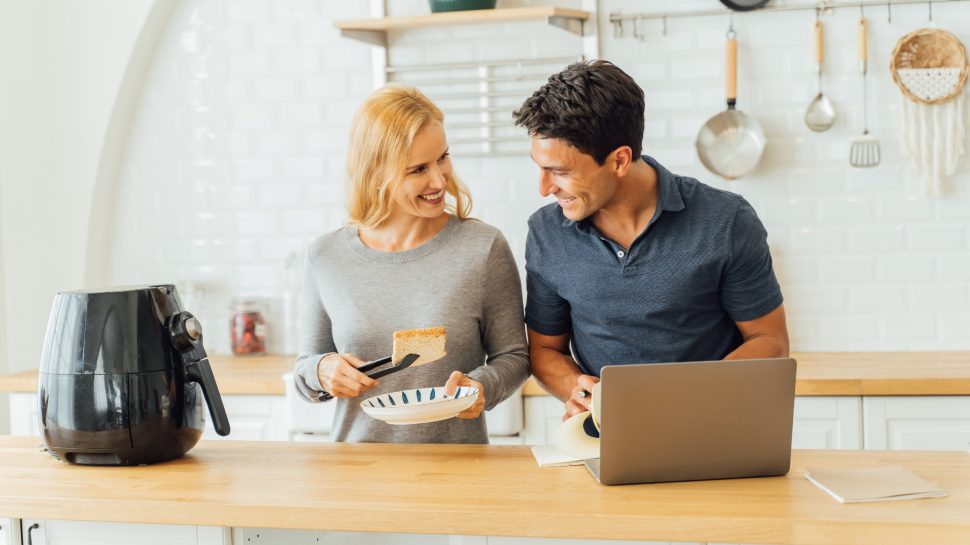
[[819, 422], [827, 423], [842, 422], [252, 418], [9, 531], [268, 536], [69, 532], [556, 541], [917, 423], [543, 416], [23, 414], [265, 536]]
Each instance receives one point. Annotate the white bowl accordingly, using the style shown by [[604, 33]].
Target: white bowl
[[419, 405]]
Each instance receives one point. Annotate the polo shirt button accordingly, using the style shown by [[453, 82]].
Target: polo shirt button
[[620, 253]]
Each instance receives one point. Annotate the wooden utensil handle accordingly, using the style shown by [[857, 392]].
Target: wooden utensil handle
[[863, 36], [819, 44], [732, 71]]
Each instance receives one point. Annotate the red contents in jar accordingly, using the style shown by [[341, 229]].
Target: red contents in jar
[[247, 332]]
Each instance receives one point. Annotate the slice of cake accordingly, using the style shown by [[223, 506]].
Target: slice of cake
[[428, 343]]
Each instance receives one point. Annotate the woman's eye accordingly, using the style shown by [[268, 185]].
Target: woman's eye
[[443, 157], [418, 170]]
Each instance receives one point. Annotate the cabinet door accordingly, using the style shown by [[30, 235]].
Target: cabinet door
[[257, 536], [23, 414], [9, 532], [917, 422], [553, 541], [827, 423], [269, 536], [819, 422], [506, 418], [543, 416], [69, 532], [252, 418]]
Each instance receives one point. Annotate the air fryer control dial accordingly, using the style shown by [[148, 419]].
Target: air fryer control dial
[[193, 328], [186, 332]]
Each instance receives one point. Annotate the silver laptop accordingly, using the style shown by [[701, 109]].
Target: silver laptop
[[693, 421]]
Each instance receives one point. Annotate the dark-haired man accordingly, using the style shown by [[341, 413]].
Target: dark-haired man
[[632, 263]]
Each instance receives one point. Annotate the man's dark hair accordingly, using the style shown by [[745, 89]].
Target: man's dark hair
[[593, 105]]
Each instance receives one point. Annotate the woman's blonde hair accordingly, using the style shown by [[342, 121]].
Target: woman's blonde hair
[[381, 137]]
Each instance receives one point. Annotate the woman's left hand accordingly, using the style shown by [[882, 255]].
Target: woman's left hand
[[457, 379]]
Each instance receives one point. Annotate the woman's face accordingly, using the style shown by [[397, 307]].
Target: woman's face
[[422, 193]]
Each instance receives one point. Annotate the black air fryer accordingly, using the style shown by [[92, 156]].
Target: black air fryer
[[122, 378]]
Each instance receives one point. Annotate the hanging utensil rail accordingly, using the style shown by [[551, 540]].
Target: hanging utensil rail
[[617, 18], [479, 64]]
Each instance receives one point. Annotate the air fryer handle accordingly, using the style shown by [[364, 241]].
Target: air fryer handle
[[201, 373]]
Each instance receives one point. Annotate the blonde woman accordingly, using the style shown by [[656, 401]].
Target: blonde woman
[[409, 258]]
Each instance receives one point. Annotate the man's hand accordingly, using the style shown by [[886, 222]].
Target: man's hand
[[580, 399], [457, 379], [340, 378]]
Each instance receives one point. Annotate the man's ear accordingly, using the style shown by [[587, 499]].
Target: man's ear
[[620, 160]]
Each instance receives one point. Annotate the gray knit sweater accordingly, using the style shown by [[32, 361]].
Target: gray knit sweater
[[355, 297]]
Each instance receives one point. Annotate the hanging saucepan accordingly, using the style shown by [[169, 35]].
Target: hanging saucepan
[[744, 5], [731, 143]]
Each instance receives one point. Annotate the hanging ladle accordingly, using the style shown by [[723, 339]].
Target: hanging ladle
[[820, 115]]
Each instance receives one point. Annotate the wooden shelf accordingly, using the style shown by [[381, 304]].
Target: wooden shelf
[[374, 31]]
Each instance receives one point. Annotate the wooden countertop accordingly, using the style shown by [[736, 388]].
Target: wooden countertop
[[819, 374], [476, 490]]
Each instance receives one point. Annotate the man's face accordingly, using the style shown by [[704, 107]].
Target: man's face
[[580, 186]]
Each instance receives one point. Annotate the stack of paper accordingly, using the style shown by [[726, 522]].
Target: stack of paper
[[550, 456], [886, 483]]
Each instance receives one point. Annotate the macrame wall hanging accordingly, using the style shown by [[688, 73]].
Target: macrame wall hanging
[[930, 67]]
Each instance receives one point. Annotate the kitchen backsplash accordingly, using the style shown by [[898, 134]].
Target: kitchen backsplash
[[236, 155]]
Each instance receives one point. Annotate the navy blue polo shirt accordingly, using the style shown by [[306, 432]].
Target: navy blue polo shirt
[[701, 265]]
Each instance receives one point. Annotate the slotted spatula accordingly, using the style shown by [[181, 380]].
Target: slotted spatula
[[865, 149]]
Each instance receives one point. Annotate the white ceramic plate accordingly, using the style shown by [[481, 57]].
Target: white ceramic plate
[[419, 405]]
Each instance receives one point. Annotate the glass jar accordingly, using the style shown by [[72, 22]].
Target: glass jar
[[247, 328]]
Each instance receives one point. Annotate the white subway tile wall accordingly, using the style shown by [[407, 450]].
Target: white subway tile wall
[[236, 155]]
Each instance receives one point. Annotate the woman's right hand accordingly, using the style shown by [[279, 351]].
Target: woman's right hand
[[340, 378]]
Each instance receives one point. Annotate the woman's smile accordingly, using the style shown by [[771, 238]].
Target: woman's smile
[[433, 198]]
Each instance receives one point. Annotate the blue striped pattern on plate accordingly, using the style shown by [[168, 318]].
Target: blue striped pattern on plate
[[419, 396]]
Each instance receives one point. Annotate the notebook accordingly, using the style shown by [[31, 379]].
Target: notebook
[[884, 483]]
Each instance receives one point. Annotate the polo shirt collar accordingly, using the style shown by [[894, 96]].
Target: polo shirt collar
[[669, 198]]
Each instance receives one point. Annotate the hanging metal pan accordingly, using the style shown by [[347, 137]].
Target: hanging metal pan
[[744, 5], [731, 143]]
